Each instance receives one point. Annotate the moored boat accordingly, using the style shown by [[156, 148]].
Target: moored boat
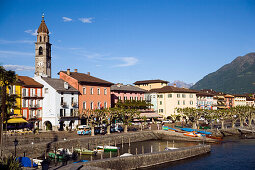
[[126, 154], [170, 148], [108, 148], [84, 151]]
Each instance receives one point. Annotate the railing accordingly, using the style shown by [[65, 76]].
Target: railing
[[74, 104], [64, 104], [34, 106]]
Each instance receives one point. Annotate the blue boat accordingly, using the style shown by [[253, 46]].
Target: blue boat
[[81, 161], [199, 131]]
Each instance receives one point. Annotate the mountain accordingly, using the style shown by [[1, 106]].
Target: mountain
[[181, 84], [237, 77]]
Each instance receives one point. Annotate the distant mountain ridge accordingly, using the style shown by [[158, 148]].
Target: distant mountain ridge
[[237, 77], [181, 84]]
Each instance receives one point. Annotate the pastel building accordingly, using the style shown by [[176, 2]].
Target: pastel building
[[169, 98], [151, 84], [204, 100], [125, 92], [239, 100], [60, 104], [16, 90], [152, 98], [32, 100], [94, 93], [229, 100]]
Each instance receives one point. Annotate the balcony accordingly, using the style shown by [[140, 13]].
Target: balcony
[[32, 96], [34, 106], [64, 104], [74, 104]]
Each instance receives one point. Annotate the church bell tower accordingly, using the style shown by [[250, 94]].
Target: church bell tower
[[43, 51]]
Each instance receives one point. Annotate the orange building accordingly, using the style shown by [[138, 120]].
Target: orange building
[[94, 93], [31, 99]]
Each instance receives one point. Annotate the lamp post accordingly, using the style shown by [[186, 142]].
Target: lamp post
[[16, 142]]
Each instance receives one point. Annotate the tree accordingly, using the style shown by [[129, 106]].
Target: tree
[[193, 114], [6, 78]]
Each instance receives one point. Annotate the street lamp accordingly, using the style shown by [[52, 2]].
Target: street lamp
[[16, 142]]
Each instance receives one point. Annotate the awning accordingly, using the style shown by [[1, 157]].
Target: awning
[[16, 120], [150, 115]]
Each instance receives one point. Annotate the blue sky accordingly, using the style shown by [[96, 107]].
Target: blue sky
[[129, 40]]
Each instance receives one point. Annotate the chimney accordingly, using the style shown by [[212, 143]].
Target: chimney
[[68, 72], [89, 73], [66, 85], [174, 85], [76, 70]]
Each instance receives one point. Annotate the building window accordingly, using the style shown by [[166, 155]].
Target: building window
[[62, 100], [98, 105], [84, 105], [39, 92], [179, 102], [38, 113], [71, 112], [141, 98], [183, 95], [46, 90], [62, 112], [40, 51], [160, 102], [191, 102], [105, 91], [191, 95], [91, 90], [183, 102], [91, 105], [84, 90], [131, 98], [161, 110], [105, 105], [98, 91], [125, 98], [25, 113], [119, 98], [160, 96], [23, 103], [178, 95], [169, 95]]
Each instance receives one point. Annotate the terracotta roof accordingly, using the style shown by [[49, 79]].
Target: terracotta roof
[[172, 89], [228, 95], [201, 93], [43, 28], [127, 88], [150, 81], [85, 78], [29, 82], [239, 95], [58, 84]]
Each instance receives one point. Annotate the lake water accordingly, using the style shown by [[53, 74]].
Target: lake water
[[233, 153]]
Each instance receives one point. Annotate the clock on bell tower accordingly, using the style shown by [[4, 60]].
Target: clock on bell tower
[[43, 51]]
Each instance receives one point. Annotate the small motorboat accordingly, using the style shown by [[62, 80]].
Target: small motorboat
[[81, 161], [84, 151], [170, 148], [126, 154], [191, 134], [108, 148], [38, 162], [61, 153]]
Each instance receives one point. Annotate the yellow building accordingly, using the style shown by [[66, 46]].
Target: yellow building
[[16, 90], [151, 84]]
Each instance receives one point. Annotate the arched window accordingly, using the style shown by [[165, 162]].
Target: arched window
[[44, 39], [40, 39], [40, 51]]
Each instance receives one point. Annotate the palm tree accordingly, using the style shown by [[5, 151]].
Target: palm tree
[[6, 78]]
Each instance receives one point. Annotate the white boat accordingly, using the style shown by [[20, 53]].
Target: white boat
[[126, 154], [63, 151], [170, 148], [38, 162]]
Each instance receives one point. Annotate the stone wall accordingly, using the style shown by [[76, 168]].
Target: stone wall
[[144, 160]]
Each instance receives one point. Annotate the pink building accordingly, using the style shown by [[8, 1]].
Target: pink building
[[125, 92]]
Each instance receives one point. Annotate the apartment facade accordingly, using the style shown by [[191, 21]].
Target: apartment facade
[[60, 104], [31, 100], [204, 100], [239, 100], [169, 98], [94, 93], [120, 92], [151, 84], [16, 91]]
